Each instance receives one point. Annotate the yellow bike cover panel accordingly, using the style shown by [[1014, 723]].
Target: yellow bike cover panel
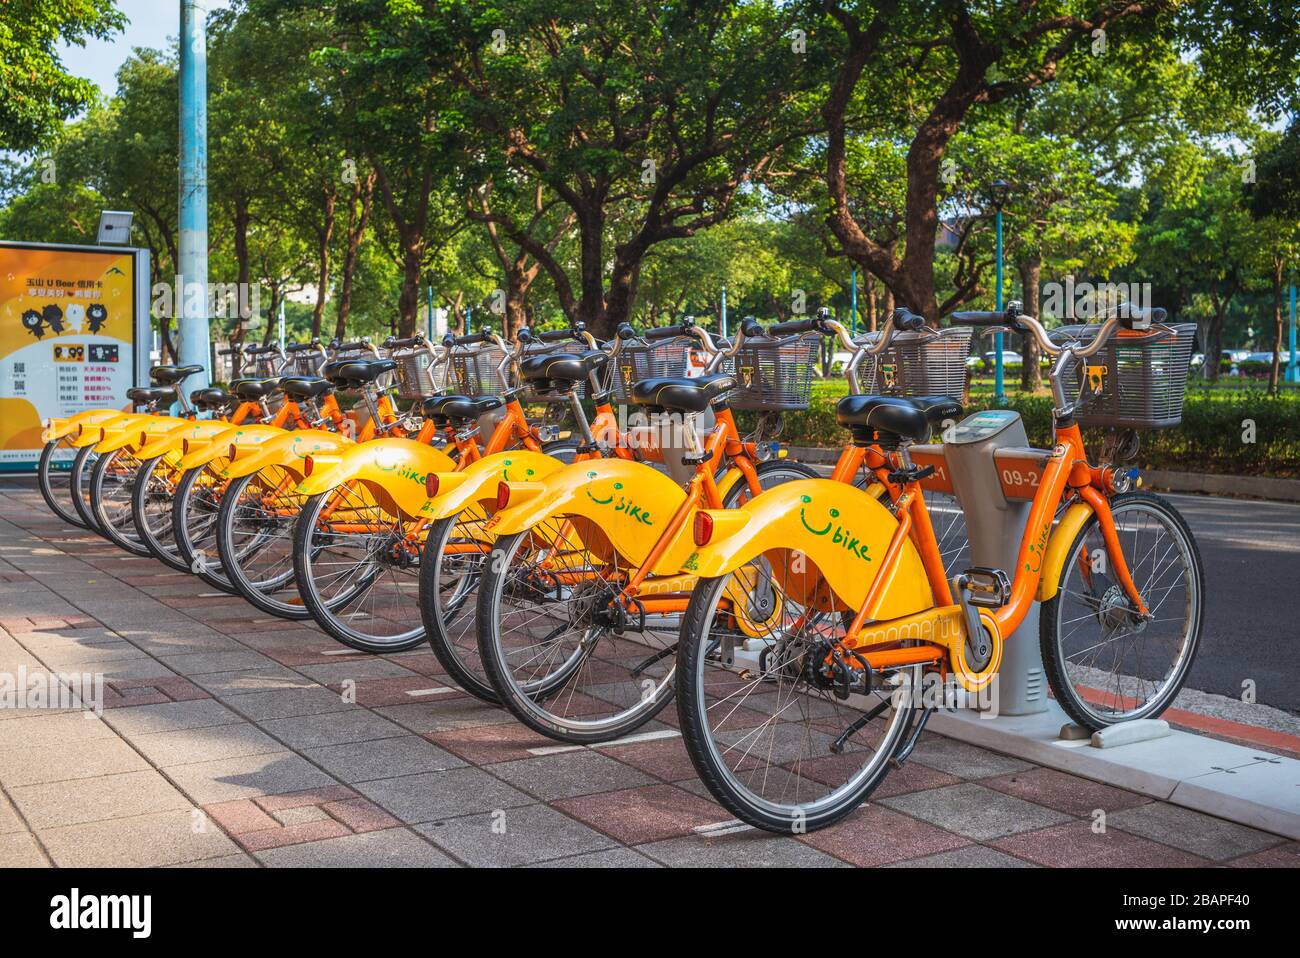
[[479, 481], [394, 470], [245, 437], [287, 450], [842, 532], [629, 502], [58, 428]]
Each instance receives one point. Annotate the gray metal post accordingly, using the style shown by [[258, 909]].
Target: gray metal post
[[996, 525], [192, 325]]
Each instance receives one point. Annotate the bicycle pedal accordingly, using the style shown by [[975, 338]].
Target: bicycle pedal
[[985, 588]]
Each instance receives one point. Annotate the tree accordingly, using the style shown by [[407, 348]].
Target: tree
[[953, 59], [1274, 201], [646, 120], [38, 92]]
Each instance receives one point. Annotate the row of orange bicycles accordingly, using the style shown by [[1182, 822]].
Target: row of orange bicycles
[[583, 531]]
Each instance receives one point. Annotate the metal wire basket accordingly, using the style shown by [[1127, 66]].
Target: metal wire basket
[[922, 362], [474, 370], [1136, 381], [419, 373], [656, 359], [774, 375], [304, 362]]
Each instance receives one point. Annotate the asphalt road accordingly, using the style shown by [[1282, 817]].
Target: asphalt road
[[1251, 552]]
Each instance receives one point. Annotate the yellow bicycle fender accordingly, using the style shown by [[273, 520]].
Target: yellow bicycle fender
[[393, 469], [91, 434], [287, 450], [629, 502], [729, 479], [58, 428], [842, 531], [1058, 549], [478, 482], [243, 437], [125, 433], [195, 430]]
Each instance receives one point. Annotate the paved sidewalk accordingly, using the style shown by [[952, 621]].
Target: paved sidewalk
[[227, 741]]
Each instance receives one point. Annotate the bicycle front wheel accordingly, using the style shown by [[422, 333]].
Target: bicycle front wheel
[[1106, 662], [83, 467]]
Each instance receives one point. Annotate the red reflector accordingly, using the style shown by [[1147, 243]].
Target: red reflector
[[703, 528], [185, 447], [431, 485], [308, 464], [232, 450], [503, 495], [144, 438]]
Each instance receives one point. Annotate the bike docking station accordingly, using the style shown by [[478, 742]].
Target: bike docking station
[[987, 463]]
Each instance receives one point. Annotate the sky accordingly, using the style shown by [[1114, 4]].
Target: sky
[[154, 23]]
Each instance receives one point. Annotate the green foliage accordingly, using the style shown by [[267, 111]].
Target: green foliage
[[38, 92]]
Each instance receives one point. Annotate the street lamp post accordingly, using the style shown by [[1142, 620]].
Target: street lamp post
[[853, 304], [998, 190], [193, 219], [1292, 370]]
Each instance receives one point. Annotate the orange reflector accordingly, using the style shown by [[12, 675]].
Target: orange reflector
[[431, 485], [503, 495], [703, 528], [308, 464]]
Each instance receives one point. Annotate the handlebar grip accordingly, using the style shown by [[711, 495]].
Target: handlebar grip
[[667, 332], [1005, 317], [299, 347], [556, 335], [1130, 315], [905, 319], [355, 344], [480, 337], [792, 326], [394, 343], [625, 331]]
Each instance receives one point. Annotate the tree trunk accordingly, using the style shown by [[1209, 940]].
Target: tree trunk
[[326, 237], [1031, 372], [363, 193], [1214, 340], [408, 301], [241, 223], [870, 288]]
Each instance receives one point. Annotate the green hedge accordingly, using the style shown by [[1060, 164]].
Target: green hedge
[[1211, 438]]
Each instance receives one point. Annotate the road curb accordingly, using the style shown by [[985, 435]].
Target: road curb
[[1242, 784], [1249, 487]]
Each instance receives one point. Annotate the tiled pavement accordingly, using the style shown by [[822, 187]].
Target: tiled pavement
[[226, 741]]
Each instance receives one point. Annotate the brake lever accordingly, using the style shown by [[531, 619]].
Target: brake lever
[[995, 330]]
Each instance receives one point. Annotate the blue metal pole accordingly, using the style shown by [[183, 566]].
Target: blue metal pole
[[722, 324], [1292, 370], [281, 324], [853, 304], [999, 389], [193, 267], [469, 320]]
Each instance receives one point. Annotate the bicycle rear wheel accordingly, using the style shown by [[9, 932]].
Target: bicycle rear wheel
[[112, 486], [83, 468], [773, 734], [54, 476], [357, 567], [255, 540], [1105, 662], [151, 511], [194, 523]]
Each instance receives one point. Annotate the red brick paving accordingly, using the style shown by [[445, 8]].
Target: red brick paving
[[647, 814], [1076, 845], [876, 835]]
